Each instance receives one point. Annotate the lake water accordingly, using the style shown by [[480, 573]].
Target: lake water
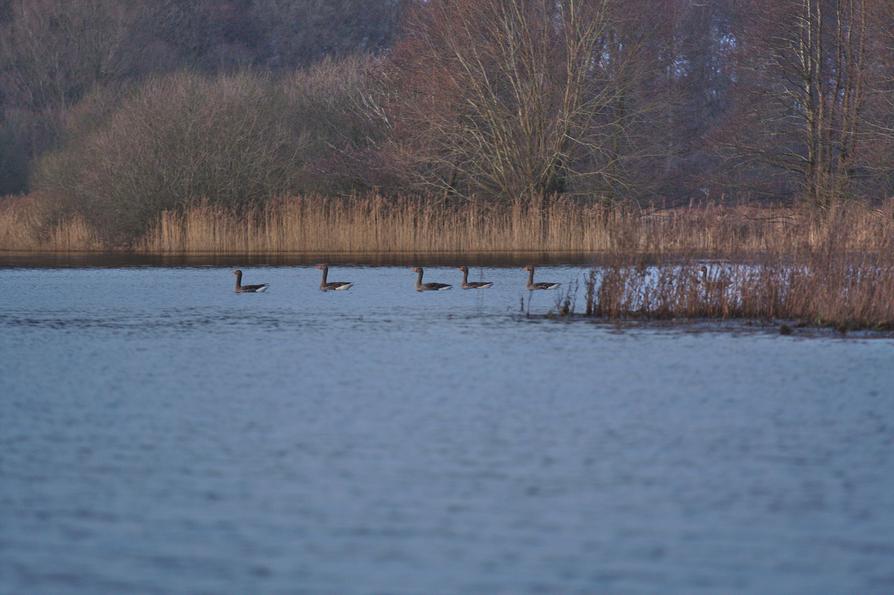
[[161, 434]]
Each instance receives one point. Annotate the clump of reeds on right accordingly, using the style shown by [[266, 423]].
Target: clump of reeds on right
[[819, 288]]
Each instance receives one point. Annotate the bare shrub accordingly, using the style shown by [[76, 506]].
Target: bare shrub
[[235, 141], [336, 106]]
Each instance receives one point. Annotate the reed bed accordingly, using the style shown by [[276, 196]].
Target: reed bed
[[823, 288], [25, 227], [818, 269], [376, 224]]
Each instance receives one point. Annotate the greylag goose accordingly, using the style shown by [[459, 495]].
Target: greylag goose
[[473, 284], [240, 288], [532, 286], [420, 286], [326, 285]]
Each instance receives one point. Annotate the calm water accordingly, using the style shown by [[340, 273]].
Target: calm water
[[160, 434]]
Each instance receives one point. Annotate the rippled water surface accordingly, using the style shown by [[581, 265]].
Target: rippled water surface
[[160, 434]]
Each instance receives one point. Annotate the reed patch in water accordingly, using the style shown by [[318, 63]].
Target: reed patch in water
[[819, 289]]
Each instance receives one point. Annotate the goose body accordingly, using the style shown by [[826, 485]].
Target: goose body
[[326, 285], [240, 288], [542, 285], [473, 284], [420, 286]]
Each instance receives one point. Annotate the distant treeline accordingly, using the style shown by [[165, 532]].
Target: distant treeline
[[56, 53], [117, 110]]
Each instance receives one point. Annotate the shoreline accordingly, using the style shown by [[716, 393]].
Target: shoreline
[[494, 258]]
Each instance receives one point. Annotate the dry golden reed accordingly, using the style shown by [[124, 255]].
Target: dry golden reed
[[24, 227], [382, 225], [831, 269], [822, 287], [376, 224]]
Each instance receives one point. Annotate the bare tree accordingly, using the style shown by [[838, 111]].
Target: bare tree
[[880, 102], [52, 53], [55, 50], [804, 70], [514, 99]]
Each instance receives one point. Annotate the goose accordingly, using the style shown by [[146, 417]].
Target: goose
[[532, 286], [420, 286], [240, 288], [473, 284], [332, 285]]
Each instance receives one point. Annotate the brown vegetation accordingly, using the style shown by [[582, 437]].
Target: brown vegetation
[[820, 288], [625, 99], [24, 226], [54, 53], [526, 125], [835, 270], [380, 224], [526, 98], [235, 141]]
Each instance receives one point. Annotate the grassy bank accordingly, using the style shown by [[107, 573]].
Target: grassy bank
[[382, 225]]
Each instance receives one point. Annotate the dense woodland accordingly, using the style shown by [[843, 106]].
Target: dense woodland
[[119, 109]]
